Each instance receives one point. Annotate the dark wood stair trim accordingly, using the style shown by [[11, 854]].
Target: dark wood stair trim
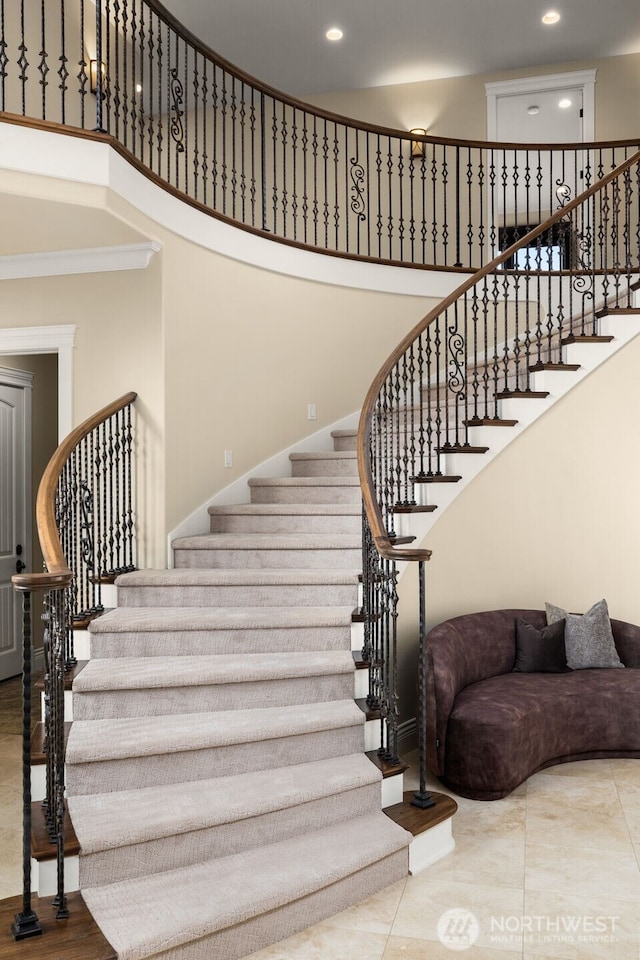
[[522, 395], [41, 846], [387, 769], [69, 676], [400, 540], [586, 338], [462, 448], [414, 508], [538, 367], [617, 311], [489, 422], [370, 713], [37, 742], [436, 478], [77, 938], [417, 821]]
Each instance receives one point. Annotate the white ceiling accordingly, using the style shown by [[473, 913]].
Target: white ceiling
[[282, 41]]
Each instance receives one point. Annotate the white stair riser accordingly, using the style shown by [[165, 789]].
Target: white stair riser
[[392, 788], [342, 559], [44, 876], [361, 684], [357, 636], [429, 847]]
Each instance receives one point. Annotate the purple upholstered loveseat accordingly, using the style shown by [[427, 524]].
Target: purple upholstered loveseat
[[488, 728]]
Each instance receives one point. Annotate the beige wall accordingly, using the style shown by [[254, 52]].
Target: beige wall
[[118, 348], [457, 107], [247, 350]]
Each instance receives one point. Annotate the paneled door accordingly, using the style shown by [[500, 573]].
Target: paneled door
[[15, 432]]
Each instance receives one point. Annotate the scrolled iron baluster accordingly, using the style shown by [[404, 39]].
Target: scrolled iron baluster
[[177, 100], [422, 798], [356, 171]]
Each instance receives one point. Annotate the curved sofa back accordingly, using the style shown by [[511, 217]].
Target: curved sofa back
[[475, 646]]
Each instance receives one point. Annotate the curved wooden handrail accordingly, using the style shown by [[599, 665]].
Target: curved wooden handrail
[[58, 574], [374, 514]]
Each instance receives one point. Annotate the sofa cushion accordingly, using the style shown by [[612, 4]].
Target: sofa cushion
[[503, 729], [588, 638], [540, 651]]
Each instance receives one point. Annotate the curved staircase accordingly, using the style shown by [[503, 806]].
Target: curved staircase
[[216, 774]]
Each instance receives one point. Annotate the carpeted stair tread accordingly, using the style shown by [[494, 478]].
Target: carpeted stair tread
[[136, 673], [304, 482], [153, 812], [152, 619], [269, 541], [145, 916], [324, 455], [181, 576], [92, 741]]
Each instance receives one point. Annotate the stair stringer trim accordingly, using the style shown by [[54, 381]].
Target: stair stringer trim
[[624, 328]]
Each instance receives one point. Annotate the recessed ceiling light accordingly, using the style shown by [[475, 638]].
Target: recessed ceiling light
[[565, 103], [533, 111], [551, 16], [335, 33]]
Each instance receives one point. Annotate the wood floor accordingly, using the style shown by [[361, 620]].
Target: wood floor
[[77, 938]]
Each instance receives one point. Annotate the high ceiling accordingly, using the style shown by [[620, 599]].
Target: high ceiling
[[282, 42]]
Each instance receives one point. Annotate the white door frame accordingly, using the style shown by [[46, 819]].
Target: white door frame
[[586, 79], [55, 339], [22, 381]]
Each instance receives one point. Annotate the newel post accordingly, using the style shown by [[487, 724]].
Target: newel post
[[26, 923]]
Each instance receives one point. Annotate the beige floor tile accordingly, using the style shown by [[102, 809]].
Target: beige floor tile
[[425, 905], [500, 818], [582, 769], [404, 948], [626, 771], [374, 915], [547, 791], [581, 928], [479, 858], [573, 826], [629, 794], [322, 943], [582, 871]]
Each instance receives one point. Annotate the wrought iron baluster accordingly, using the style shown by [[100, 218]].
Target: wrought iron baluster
[[43, 66], [23, 63]]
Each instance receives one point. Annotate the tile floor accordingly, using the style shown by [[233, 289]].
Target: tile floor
[[553, 871]]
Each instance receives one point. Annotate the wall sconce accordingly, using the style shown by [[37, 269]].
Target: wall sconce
[[93, 75], [418, 147]]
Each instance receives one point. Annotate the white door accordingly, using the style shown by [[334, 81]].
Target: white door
[[14, 524]]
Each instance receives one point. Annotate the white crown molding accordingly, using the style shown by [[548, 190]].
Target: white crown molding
[[57, 263]]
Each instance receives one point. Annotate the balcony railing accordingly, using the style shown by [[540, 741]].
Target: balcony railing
[[250, 155]]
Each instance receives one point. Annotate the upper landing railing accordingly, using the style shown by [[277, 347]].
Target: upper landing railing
[[246, 153]]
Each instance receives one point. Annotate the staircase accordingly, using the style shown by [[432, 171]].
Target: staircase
[[216, 774]]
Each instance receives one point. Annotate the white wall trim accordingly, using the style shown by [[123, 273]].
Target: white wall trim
[[92, 162], [57, 263], [550, 81], [54, 339]]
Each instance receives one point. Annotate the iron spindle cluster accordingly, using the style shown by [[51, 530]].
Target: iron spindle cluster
[[481, 346], [267, 161], [86, 526], [94, 514]]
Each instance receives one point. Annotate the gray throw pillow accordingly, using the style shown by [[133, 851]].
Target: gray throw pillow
[[588, 638]]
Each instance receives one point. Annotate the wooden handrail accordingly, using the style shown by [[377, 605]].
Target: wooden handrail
[[58, 574], [374, 514]]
